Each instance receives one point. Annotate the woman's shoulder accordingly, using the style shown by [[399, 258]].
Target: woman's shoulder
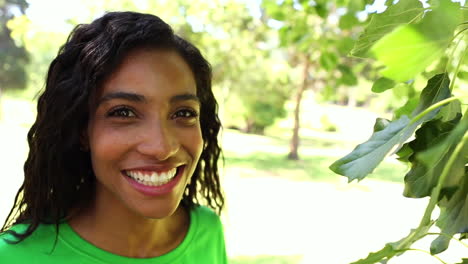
[[205, 212], [205, 237], [207, 224], [12, 250], [206, 217]]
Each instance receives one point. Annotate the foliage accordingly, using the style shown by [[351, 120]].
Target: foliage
[[229, 40], [365, 158], [237, 46], [12, 58], [42, 46], [316, 43], [313, 31], [408, 40]]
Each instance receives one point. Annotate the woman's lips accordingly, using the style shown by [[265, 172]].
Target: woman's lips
[[154, 187]]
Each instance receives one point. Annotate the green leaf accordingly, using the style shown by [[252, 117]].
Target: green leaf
[[356, 5], [462, 75], [402, 13], [328, 92], [321, 10], [328, 60], [464, 261], [347, 76], [381, 124], [345, 45], [348, 21], [402, 90], [375, 257], [404, 153], [274, 10], [409, 49], [441, 65], [396, 248], [295, 32], [453, 217], [450, 111], [284, 35], [382, 84], [429, 158], [407, 108], [366, 156], [304, 43], [437, 89]]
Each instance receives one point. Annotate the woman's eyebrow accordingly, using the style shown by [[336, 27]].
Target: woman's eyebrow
[[185, 97], [141, 98], [122, 95]]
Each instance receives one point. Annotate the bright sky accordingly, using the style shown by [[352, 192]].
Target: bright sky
[[52, 14]]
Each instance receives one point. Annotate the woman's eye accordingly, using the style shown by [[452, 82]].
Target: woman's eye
[[185, 113], [121, 112]]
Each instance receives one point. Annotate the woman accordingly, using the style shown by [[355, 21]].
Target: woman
[[122, 153]]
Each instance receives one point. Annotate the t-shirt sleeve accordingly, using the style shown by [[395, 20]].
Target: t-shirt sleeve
[[211, 236], [222, 244], [31, 250]]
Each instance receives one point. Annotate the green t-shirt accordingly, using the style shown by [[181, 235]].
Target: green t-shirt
[[204, 243]]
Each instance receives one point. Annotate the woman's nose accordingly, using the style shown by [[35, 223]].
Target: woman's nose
[[158, 141]]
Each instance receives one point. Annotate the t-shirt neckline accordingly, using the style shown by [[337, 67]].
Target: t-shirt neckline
[[75, 241]]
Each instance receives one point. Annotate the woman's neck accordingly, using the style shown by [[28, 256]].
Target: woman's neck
[[119, 231]]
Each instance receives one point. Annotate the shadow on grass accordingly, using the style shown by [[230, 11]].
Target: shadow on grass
[[266, 260], [314, 141], [309, 168]]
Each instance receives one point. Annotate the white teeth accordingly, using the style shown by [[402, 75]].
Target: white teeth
[[153, 179], [164, 176]]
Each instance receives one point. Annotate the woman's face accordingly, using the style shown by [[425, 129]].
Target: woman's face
[[144, 136]]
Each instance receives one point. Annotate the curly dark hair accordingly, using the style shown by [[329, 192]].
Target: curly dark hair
[[58, 174]]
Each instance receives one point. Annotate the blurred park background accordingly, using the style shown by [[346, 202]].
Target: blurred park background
[[291, 101]]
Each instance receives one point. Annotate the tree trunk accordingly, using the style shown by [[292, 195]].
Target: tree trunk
[[294, 145], [248, 128]]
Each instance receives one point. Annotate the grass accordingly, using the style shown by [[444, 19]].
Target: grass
[[266, 260], [268, 155], [309, 168]]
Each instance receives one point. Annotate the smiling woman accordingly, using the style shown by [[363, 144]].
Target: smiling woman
[[123, 152]]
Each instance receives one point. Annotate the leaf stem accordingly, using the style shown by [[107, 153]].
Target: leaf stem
[[448, 236], [436, 191], [460, 62], [424, 251], [459, 32], [433, 107], [452, 53]]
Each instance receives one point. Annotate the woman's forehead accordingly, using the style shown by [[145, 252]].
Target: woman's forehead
[[147, 71]]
